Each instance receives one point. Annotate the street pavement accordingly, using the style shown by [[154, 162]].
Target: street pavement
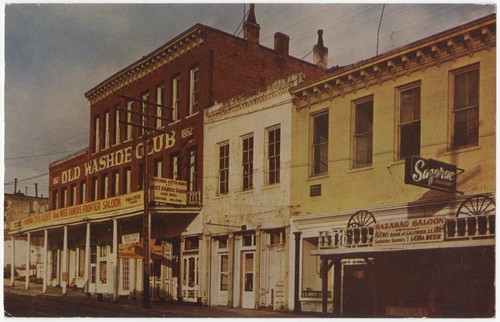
[[19, 302]]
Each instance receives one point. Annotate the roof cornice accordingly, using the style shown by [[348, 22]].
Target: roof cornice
[[431, 51], [178, 46]]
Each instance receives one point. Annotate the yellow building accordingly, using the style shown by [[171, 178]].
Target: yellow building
[[393, 174]]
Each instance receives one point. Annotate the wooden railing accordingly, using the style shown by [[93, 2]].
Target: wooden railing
[[194, 198], [470, 227], [346, 237]]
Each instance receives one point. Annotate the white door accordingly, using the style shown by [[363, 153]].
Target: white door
[[190, 278], [125, 280], [102, 270], [248, 280], [93, 269], [170, 272]]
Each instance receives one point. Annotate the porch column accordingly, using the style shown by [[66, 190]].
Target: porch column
[[324, 284], [258, 245], [87, 260], [230, 283], [337, 287], [27, 279], [45, 259], [296, 280], [13, 261], [287, 266], [115, 260], [65, 274]]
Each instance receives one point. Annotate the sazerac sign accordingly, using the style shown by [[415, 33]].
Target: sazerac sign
[[168, 191], [431, 174]]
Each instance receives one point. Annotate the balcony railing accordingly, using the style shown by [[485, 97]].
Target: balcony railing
[[194, 198], [470, 227], [458, 228]]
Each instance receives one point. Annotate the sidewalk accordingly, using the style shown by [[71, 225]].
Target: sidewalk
[[158, 308]]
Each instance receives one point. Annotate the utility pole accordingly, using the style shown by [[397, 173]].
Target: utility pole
[[146, 218]]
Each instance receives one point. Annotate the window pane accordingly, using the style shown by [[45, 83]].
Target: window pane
[[410, 139], [320, 144], [363, 134], [466, 108]]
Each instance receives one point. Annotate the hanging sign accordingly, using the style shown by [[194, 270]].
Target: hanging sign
[[168, 191], [431, 174]]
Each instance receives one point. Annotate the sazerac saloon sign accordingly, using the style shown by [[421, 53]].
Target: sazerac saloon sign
[[431, 174]]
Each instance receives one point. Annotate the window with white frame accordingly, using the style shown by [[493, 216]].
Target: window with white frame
[[128, 133], [64, 199], [175, 170], [144, 111], [194, 79], [465, 107], [73, 195], [116, 183], [224, 272], [247, 161], [83, 192], [127, 181], [105, 186], [106, 129], [273, 154], [160, 100], [363, 133], [320, 143], [158, 168], [95, 189], [97, 137], [409, 120], [176, 98], [223, 168], [117, 125], [192, 167]]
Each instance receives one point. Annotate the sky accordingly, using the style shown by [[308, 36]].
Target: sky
[[54, 53]]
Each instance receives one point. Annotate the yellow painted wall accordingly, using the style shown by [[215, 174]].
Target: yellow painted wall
[[345, 189]]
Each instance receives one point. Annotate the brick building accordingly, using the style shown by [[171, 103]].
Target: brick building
[[95, 233]]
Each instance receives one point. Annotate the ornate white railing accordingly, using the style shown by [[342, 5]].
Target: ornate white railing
[[346, 237], [194, 198], [470, 227]]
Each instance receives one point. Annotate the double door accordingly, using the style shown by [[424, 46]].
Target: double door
[[99, 269]]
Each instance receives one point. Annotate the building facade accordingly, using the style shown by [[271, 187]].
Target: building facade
[[393, 171], [146, 129], [247, 205]]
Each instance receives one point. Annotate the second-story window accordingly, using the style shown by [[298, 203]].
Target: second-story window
[[194, 79], [176, 98], [175, 171], [273, 153], [95, 189], [55, 199], [83, 192], [128, 132], [73, 195], [320, 143], [105, 186], [192, 169], [117, 125], [159, 168], [160, 100], [144, 112], [223, 168], [127, 181], [97, 131], [363, 133], [465, 107], [409, 120], [247, 162], [116, 183], [64, 197], [106, 129]]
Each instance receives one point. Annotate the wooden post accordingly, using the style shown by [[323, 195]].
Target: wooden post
[[27, 280], [296, 281], [45, 259], [65, 274], [324, 285], [337, 286]]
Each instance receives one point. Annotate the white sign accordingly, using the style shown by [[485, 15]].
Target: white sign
[[130, 238], [168, 191], [418, 230]]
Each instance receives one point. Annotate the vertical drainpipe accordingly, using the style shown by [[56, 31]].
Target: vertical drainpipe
[[65, 274], [45, 259], [296, 280], [115, 260], [27, 279], [337, 289], [287, 267], [13, 261]]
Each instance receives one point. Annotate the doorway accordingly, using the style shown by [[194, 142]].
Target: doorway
[[248, 280], [357, 293]]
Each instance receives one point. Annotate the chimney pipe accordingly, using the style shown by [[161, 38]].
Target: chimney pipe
[[26, 189], [15, 185], [281, 44], [320, 52], [251, 29], [36, 190]]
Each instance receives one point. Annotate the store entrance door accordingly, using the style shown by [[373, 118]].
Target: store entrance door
[[357, 295], [247, 280]]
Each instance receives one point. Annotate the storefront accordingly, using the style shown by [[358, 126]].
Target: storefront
[[438, 266]]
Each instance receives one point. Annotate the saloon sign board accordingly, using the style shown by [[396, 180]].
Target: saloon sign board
[[431, 174]]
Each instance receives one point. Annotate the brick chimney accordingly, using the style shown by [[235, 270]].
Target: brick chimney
[[320, 52], [281, 44], [251, 28]]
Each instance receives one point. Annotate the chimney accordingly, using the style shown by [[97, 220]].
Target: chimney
[[251, 28], [281, 44], [15, 185], [36, 189], [320, 52]]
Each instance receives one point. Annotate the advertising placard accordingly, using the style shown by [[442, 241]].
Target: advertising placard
[[168, 191], [418, 230], [431, 174]]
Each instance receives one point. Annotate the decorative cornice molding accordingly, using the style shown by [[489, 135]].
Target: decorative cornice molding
[[430, 52], [146, 65]]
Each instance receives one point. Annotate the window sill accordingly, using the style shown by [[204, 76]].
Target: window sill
[[271, 186], [192, 115], [462, 150], [361, 169], [174, 122], [318, 177], [245, 191]]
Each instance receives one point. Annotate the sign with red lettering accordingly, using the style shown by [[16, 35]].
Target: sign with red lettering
[[418, 230], [431, 174]]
